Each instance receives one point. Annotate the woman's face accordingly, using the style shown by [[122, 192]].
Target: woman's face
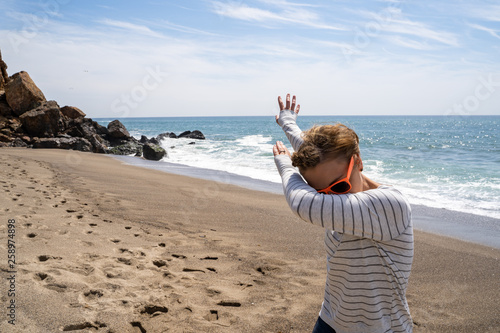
[[330, 171]]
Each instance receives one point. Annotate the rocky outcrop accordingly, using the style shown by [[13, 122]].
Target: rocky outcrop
[[153, 152], [22, 93], [192, 135]]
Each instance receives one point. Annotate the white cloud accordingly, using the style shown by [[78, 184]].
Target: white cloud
[[287, 15], [176, 27], [421, 30], [492, 32], [131, 27]]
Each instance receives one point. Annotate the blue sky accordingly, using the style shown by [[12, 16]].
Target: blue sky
[[190, 58]]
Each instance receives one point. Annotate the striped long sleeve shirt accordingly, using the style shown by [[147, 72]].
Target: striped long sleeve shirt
[[369, 245]]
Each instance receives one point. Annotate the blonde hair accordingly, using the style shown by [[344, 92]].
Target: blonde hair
[[325, 142]]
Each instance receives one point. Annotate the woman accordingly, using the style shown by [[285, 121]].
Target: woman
[[369, 233]]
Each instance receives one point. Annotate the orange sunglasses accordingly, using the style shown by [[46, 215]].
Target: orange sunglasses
[[342, 186]]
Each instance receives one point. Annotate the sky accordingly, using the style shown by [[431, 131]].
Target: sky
[[157, 58]]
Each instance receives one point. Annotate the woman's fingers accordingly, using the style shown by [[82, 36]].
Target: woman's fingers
[[280, 102], [280, 149], [276, 150], [289, 105]]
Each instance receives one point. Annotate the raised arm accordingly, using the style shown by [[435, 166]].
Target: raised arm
[[380, 214], [287, 120]]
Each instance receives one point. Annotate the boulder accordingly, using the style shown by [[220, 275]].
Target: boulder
[[63, 143], [166, 135], [117, 130], [44, 121], [192, 135], [72, 112], [153, 152], [22, 93]]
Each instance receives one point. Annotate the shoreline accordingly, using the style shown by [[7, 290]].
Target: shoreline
[[119, 248], [478, 229]]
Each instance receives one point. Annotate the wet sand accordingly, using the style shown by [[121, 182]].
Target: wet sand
[[107, 247]]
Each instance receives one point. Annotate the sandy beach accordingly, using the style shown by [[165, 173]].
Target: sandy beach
[[107, 247]]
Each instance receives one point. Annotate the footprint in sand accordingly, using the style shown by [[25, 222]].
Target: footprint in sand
[[160, 263], [138, 325], [83, 326], [45, 257], [93, 294], [154, 310]]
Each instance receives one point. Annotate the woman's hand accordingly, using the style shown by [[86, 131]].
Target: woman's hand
[[280, 149], [288, 106]]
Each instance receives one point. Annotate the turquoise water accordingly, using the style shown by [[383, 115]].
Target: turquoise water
[[445, 162]]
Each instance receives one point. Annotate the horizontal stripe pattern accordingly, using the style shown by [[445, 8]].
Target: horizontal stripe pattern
[[369, 246]]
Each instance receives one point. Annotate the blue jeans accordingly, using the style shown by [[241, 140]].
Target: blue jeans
[[322, 327]]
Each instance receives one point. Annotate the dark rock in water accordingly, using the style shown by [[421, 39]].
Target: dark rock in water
[[63, 143], [153, 152], [127, 148], [72, 112], [117, 130], [192, 135], [192, 143], [144, 139], [44, 121], [166, 135], [22, 93]]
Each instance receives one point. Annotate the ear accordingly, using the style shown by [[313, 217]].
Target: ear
[[359, 162]]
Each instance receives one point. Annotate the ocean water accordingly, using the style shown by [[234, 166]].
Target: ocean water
[[437, 161]]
